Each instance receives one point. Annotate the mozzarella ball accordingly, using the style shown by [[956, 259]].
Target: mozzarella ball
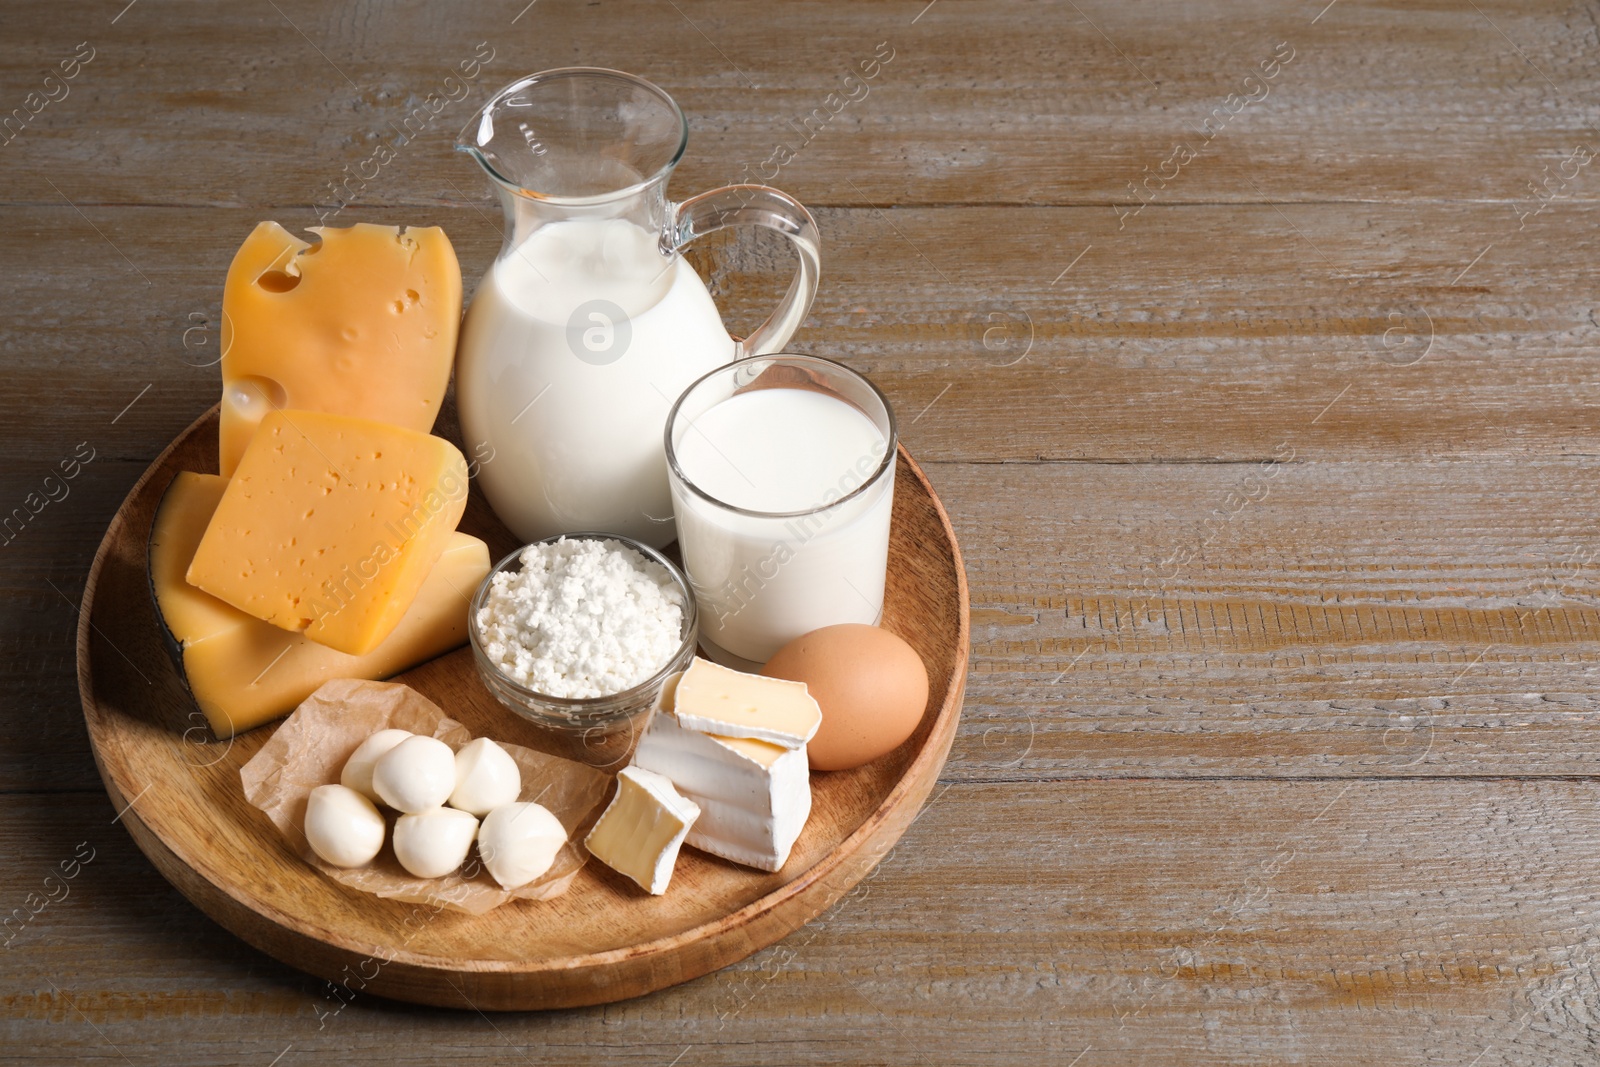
[[342, 826], [357, 772], [486, 777], [519, 842], [433, 843], [417, 774]]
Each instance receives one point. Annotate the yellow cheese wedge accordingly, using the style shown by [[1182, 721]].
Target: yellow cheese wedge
[[363, 323], [715, 700], [331, 524], [244, 672]]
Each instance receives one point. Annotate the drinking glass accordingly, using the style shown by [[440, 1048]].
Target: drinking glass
[[764, 577]]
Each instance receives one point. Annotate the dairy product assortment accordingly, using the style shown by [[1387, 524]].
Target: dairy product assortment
[[327, 548]]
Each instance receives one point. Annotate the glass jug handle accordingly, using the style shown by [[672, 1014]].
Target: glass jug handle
[[758, 205]]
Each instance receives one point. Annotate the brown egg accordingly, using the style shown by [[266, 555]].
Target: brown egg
[[871, 685]]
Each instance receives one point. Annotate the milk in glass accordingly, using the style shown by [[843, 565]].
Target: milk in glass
[[789, 541]]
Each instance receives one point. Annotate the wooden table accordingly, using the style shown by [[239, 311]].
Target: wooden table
[[1252, 347]]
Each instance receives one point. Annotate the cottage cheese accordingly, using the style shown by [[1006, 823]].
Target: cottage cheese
[[581, 619]]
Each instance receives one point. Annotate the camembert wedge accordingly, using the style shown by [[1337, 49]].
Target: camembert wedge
[[754, 796], [642, 829], [716, 700]]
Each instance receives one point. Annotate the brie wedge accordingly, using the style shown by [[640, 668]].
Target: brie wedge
[[716, 700], [643, 827], [754, 796]]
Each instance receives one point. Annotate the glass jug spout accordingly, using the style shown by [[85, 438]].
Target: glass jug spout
[[578, 143]]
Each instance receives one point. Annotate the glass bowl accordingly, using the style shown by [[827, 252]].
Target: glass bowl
[[599, 731]]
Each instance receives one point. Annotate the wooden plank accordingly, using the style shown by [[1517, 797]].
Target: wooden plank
[[1423, 617], [1151, 923], [1308, 618], [1213, 332], [990, 103], [44, 563]]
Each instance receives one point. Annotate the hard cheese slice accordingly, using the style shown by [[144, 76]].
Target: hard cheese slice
[[331, 524], [640, 832], [754, 796], [362, 324], [716, 700], [244, 672]]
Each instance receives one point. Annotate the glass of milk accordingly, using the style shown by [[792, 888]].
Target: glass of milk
[[782, 477]]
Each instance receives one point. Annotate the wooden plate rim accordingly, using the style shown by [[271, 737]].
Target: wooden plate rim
[[955, 689]]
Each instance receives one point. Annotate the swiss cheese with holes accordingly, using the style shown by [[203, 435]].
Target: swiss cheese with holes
[[362, 323]]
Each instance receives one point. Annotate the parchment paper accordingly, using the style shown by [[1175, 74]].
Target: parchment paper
[[312, 745]]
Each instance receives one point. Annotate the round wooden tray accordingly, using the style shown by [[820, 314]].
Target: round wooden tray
[[181, 799]]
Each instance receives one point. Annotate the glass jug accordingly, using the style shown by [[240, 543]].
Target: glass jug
[[589, 324]]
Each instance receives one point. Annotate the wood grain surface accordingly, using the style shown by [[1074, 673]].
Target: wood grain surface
[[1276, 482]]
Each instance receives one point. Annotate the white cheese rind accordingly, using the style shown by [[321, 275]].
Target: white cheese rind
[[714, 699], [751, 809], [642, 829]]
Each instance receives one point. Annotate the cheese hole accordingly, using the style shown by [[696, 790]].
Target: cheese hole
[[256, 395], [277, 281]]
